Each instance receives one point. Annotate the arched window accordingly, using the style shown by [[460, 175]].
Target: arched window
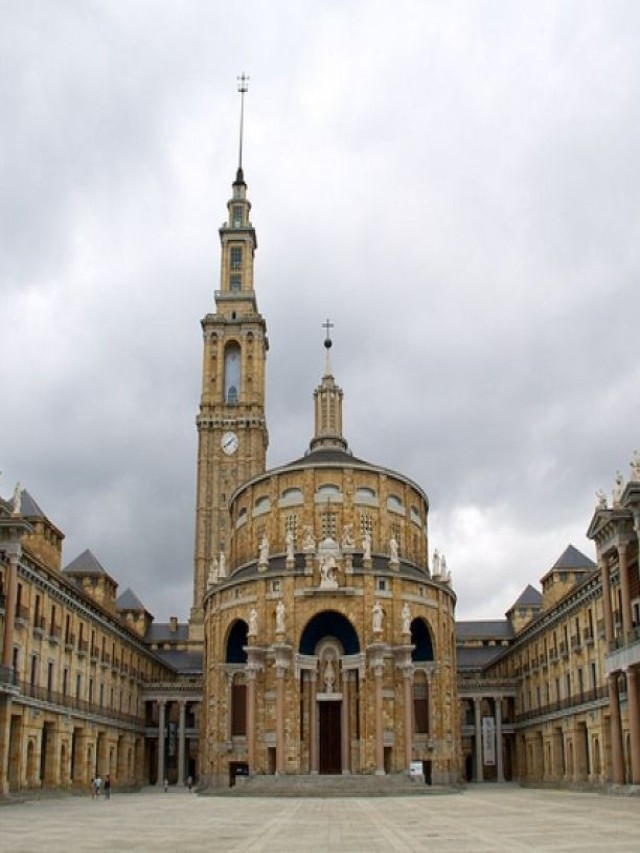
[[232, 373], [365, 495]]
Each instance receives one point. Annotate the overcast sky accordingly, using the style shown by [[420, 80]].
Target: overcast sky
[[457, 185]]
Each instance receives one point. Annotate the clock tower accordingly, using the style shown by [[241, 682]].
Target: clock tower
[[232, 430]]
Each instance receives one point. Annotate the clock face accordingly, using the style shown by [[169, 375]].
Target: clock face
[[229, 443]]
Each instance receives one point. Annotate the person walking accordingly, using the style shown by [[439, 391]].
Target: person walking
[[190, 782], [98, 786], [93, 788], [107, 787]]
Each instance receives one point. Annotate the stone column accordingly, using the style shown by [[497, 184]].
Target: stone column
[[5, 742], [624, 590], [181, 740], [250, 675], [11, 578], [346, 735], [280, 720], [499, 765], [377, 672], [606, 600], [313, 723], [634, 724], [477, 710], [162, 704], [616, 730], [408, 716]]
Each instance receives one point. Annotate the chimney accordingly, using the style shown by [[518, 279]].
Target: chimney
[[173, 624]]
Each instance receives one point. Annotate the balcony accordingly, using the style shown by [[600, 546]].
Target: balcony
[[83, 646], [55, 635], [564, 652], [587, 636], [38, 626], [105, 660], [71, 703], [623, 654], [586, 697], [69, 642], [95, 654], [22, 616], [576, 645]]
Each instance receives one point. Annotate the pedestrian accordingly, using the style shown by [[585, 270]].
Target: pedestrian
[[166, 785], [107, 787], [98, 786], [190, 782], [93, 788]]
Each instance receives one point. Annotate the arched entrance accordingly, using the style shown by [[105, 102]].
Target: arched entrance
[[330, 691]]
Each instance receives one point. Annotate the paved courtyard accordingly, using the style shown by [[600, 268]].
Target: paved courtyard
[[486, 818]]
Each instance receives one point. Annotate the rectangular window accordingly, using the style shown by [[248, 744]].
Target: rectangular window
[[237, 216], [420, 708], [235, 282], [235, 257], [238, 710], [78, 685], [33, 676], [65, 681]]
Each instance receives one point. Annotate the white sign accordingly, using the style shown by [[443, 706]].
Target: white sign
[[489, 740], [416, 768]]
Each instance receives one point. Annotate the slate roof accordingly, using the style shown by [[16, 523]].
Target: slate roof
[[160, 632], [476, 657], [85, 564], [29, 508], [129, 601], [182, 661], [529, 597], [484, 629], [571, 558]]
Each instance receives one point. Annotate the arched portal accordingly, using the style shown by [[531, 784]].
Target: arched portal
[[330, 692]]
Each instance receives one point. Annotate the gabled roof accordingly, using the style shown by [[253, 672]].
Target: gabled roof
[[476, 657], [529, 597], [129, 601], [571, 558], [85, 564]]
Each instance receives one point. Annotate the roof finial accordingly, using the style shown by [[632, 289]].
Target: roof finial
[[243, 85], [328, 343]]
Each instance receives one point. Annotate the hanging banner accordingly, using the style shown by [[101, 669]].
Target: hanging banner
[[489, 740]]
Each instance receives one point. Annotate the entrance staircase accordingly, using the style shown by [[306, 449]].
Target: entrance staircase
[[392, 785]]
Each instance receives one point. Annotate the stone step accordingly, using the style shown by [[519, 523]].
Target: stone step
[[392, 785]]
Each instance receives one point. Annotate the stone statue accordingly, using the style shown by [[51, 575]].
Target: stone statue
[[618, 487], [308, 541], [253, 622], [347, 536], [280, 613], [378, 614], [406, 619], [635, 467], [329, 676], [328, 567], [288, 541], [444, 571], [222, 566], [393, 549], [17, 500], [213, 572], [366, 546], [263, 551], [435, 569], [601, 495]]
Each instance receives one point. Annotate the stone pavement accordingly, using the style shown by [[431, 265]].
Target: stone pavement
[[482, 818]]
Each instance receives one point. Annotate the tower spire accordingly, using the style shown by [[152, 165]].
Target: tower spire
[[243, 86], [328, 404]]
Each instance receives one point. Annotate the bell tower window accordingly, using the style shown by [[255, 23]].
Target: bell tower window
[[235, 259], [235, 282], [237, 216], [232, 373]]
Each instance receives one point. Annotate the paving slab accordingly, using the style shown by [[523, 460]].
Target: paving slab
[[482, 818]]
